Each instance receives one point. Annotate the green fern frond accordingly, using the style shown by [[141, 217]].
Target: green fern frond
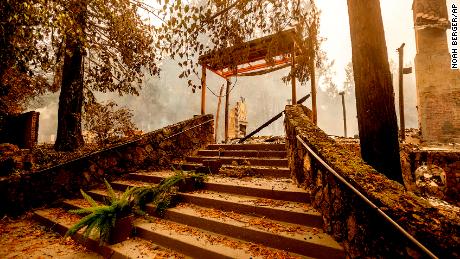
[[114, 221], [104, 231], [142, 195], [92, 225], [198, 179], [85, 221], [88, 198], [167, 183], [163, 203], [127, 193], [81, 211], [162, 194], [110, 191], [105, 227], [88, 210]]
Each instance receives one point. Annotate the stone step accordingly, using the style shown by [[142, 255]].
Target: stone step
[[100, 195], [279, 162], [58, 220], [121, 185], [192, 241], [137, 247], [186, 166], [218, 225], [242, 153], [267, 147], [311, 242], [287, 211], [291, 212], [71, 204], [277, 189], [258, 171], [199, 243]]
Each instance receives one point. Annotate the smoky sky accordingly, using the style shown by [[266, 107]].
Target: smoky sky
[[166, 99]]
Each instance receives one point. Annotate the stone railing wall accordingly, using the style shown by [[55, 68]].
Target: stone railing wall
[[153, 150], [361, 230]]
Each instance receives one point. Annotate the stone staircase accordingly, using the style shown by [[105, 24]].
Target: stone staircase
[[261, 216], [264, 160]]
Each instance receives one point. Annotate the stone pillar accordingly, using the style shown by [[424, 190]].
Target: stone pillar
[[438, 87]]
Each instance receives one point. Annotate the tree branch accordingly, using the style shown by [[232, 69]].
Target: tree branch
[[214, 16]]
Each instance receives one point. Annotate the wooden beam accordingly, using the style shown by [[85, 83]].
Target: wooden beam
[[402, 125], [258, 49], [255, 67], [313, 83], [203, 90], [219, 100], [294, 94], [217, 72], [227, 100], [313, 94], [344, 114]]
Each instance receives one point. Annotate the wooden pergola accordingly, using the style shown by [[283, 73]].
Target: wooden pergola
[[250, 59]]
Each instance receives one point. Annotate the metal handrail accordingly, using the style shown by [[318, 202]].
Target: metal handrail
[[270, 121], [119, 145], [366, 200]]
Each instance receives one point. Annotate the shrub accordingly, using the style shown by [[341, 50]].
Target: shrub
[[106, 124]]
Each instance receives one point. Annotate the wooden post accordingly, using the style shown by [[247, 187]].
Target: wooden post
[[313, 92], [203, 89], [227, 99], [294, 94], [219, 100], [402, 126], [344, 114], [312, 38]]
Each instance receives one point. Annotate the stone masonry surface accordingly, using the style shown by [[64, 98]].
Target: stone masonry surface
[[361, 230], [156, 149], [438, 86]]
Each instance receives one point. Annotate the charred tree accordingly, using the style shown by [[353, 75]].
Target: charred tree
[[121, 51], [69, 134], [377, 123]]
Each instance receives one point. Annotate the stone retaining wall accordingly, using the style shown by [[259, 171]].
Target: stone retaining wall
[[352, 222], [412, 158], [153, 150]]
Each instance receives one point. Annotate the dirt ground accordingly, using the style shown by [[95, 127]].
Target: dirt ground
[[25, 238]]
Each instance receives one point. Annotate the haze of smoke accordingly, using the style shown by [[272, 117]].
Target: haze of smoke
[[166, 100]]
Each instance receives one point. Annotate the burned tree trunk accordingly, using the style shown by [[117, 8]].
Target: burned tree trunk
[[69, 134], [378, 129]]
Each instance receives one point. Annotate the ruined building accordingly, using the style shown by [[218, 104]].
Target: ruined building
[[238, 120], [20, 129], [438, 86]]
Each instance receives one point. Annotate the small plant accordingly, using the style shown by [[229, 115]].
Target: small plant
[[162, 195], [102, 217]]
